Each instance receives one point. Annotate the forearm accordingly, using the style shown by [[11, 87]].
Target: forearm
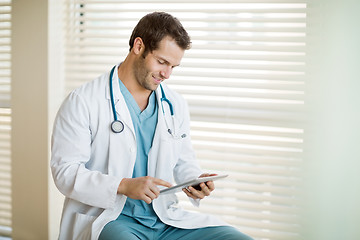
[[89, 187]]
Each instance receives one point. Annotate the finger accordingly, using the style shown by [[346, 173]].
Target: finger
[[204, 175], [155, 190], [210, 185], [186, 191], [196, 193], [150, 194], [204, 189], [161, 182], [146, 199], [207, 175], [189, 194]]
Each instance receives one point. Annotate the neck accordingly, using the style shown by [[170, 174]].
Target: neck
[[125, 74]]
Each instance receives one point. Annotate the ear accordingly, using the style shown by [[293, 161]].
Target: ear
[[138, 46]]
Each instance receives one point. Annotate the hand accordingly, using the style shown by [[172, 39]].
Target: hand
[[142, 188], [206, 188]]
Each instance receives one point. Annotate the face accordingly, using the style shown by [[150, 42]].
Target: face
[[158, 64]]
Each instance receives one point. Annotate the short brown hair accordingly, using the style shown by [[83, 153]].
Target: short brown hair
[[153, 27]]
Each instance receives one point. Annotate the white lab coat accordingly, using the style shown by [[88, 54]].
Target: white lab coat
[[89, 161]]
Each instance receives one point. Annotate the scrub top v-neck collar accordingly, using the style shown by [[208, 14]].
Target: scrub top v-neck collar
[[134, 107]]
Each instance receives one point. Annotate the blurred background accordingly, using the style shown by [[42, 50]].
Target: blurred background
[[272, 88]]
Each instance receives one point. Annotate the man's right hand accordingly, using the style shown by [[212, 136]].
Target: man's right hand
[[142, 188]]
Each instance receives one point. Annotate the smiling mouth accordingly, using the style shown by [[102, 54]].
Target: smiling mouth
[[157, 80]]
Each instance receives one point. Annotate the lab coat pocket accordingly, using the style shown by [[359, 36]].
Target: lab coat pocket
[[82, 226]]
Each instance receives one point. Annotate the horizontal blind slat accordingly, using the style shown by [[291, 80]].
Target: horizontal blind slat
[[183, 1], [187, 20]]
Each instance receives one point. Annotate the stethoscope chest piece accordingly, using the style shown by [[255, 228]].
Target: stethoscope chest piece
[[117, 126]]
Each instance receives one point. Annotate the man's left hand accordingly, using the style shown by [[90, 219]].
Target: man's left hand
[[206, 188]]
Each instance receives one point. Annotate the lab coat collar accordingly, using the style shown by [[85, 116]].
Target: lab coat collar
[[115, 83]]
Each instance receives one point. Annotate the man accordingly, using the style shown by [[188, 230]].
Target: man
[[120, 138]]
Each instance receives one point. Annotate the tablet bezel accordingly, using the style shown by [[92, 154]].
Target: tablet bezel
[[196, 181]]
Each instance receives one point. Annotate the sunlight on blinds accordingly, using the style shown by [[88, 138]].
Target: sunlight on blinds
[[244, 82]]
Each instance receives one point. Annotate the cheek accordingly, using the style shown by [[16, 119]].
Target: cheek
[[153, 66]]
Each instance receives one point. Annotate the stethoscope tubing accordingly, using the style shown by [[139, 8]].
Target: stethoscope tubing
[[112, 93], [117, 126]]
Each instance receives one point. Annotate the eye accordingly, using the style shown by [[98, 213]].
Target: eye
[[161, 61]]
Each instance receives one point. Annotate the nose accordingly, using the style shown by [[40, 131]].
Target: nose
[[166, 72]]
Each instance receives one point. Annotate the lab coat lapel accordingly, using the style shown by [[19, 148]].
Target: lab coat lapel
[[121, 161], [160, 140]]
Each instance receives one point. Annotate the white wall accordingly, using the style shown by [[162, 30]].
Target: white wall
[[333, 134]]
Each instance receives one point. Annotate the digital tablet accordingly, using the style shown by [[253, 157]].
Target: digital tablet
[[194, 182]]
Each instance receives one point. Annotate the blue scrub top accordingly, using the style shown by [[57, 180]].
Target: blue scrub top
[[144, 124]]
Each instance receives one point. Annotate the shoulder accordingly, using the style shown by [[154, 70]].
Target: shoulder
[[94, 87], [86, 96]]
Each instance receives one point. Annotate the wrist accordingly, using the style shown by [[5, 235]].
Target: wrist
[[122, 186]]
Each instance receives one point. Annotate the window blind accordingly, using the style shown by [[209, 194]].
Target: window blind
[[244, 82], [5, 117]]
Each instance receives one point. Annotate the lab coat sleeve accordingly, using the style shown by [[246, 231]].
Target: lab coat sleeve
[[71, 150]]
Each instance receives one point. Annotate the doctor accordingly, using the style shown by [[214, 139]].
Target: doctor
[[119, 139]]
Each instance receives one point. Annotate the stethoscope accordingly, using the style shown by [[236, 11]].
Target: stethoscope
[[117, 126]]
